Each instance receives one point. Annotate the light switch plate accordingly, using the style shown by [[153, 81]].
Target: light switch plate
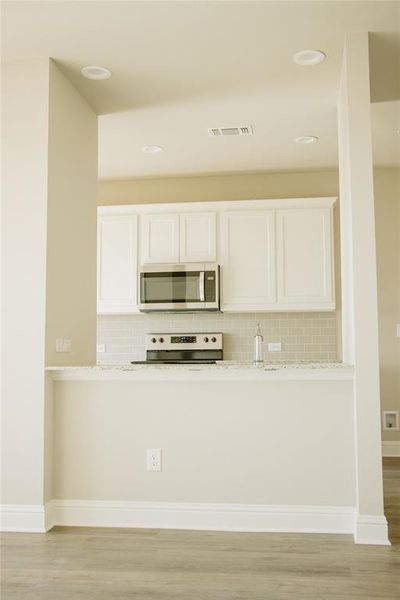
[[101, 348], [398, 329], [63, 345]]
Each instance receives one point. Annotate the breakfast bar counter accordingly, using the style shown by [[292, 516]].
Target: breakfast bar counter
[[240, 445], [222, 371], [252, 443]]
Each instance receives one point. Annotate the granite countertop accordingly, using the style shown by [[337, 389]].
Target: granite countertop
[[223, 364], [224, 370]]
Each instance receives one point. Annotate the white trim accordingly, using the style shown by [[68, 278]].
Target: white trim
[[371, 529], [366, 529], [391, 448], [199, 373], [130, 209], [23, 517], [212, 517], [231, 307]]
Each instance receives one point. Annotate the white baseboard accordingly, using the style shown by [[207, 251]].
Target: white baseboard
[[391, 449], [23, 517], [371, 529], [217, 517], [367, 529]]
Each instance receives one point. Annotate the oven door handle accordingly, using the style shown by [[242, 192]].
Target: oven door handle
[[201, 286]]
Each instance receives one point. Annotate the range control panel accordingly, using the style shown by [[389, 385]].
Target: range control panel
[[184, 341]]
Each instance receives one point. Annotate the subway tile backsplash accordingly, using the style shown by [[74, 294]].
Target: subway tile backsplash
[[304, 336]]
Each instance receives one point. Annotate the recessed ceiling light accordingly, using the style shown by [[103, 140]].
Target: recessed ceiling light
[[306, 139], [152, 149], [309, 57], [98, 73]]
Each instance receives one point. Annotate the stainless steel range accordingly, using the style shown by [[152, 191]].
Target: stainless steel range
[[182, 348]]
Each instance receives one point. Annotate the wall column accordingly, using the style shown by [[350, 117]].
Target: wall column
[[49, 186], [359, 284]]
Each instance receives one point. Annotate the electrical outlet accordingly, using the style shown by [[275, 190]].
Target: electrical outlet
[[275, 347], [391, 420], [101, 348], [63, 345], [153, 459]]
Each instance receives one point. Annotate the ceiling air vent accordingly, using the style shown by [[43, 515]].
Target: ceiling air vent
[[224, 131]]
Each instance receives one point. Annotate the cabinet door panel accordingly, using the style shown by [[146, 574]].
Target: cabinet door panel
[[248, 265], [197, 237], [160, 238], [305, 258], [117, 264]]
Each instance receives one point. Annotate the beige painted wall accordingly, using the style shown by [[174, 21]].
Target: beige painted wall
[[48, 259], [359, 276], [71, 224], [221, 441], [24, 198], [248, 186], [387, 218]]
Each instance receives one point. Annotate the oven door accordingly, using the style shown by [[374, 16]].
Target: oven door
[[179, 288]]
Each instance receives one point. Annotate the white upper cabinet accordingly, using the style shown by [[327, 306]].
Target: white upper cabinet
[[117, 264], [305, 259], [197, 237], [159, 238], [275, 255], [248, 260], [178, 238]]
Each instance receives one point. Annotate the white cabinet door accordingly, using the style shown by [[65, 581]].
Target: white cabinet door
[[197, 237], [248, 260], [305, 259], [159, 238], [117, 264]]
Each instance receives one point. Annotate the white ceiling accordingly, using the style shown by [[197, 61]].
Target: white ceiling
[[181, 67]]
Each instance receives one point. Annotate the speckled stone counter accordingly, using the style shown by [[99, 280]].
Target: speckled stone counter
[[223, 371]]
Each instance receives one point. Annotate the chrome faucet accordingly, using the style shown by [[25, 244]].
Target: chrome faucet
[[258, 340]]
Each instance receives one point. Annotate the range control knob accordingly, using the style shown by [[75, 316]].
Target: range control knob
[[213, 339], [153, 340], [161, 340], [206, 339]]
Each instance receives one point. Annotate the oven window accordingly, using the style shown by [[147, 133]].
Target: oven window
[[170, 287]]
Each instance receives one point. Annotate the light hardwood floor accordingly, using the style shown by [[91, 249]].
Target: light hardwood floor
[[115, 564]]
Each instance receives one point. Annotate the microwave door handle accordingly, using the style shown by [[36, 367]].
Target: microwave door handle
[[201, 286]]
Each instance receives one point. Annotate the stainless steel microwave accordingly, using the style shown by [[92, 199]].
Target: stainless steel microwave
[[179, 288]]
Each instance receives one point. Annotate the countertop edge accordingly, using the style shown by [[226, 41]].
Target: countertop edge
[[326, 373]]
